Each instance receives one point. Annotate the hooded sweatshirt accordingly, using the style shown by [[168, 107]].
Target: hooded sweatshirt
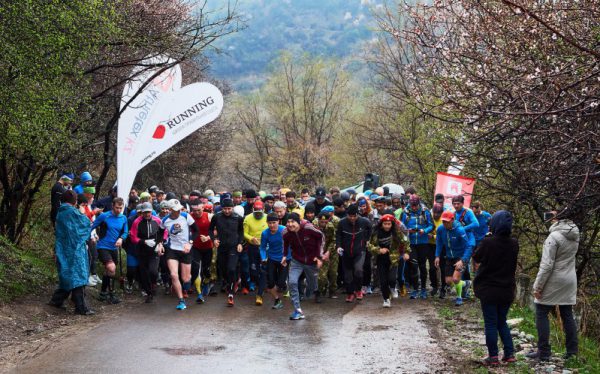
[[306, 244], [556, 278], [455, 241], [497, 256]]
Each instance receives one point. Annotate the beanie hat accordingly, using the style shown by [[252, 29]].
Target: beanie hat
[[89, 189], [387, 218], [272, 217], [258, 206], [309, 209], [251, 194], [227, 203], [85, 177], [295, 217], [327, 209], [170, 196], [237, 194]]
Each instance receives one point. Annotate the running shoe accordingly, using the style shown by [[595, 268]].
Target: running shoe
[[128, 288], [86, 312], [350, 298], [278, 304], [286, 293], [259, 300], [252, 287], [245, 291], [434, 291], [181, 305], [442, 293], [387, 303], [491, 361], [414, 294], [403, 291], [297, 315], [395, 293], [230, 300], [97, 279], [200, 299], [369, 290], [509, 359], [423, 294], [458, 301], [113, 299], [91, 281], [359, 295], [466, 294]]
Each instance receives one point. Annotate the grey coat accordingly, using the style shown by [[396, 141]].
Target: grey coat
[[556, 278]]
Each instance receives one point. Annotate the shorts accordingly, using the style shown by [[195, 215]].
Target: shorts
[[183, 258], [450, 269], [108, 255], [275, 274]]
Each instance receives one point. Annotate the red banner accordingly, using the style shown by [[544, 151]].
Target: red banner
[[451, 185]]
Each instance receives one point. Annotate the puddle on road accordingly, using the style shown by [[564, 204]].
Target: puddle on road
[[373, 328], [191, 351]]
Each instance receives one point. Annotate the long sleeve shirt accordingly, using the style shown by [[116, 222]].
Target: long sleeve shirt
[[271, 244], [230, 230], [455, 241]]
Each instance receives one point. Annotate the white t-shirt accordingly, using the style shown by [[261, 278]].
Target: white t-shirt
[[178, 229]]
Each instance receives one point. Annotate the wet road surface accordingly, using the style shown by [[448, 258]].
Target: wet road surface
[[335, 337]]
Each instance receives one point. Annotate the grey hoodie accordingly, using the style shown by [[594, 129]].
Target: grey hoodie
[[556, 278]]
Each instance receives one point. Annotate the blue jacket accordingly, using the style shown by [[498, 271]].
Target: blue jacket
[[271, 245], [484, 221], [455, 242], [116, 227], [72, 232], [467, 219], [419, 220]]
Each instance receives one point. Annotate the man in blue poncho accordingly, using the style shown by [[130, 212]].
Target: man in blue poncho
[[72, 231]]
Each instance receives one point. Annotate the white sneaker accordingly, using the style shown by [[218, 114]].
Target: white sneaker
[[97, 278], [395, 293], [387, 303], [91, 281]]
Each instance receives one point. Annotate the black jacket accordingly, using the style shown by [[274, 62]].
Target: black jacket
[[353, 238], [230, 230], [495, 279]]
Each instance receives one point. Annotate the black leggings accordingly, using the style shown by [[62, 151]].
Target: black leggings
[[387, 274], [201, 261], [92, 255], [367, 270], [424, 254], [227, 261], [148, 270], [353, 271]]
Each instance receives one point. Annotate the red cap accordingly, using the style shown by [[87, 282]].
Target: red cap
[[448, 216], [258, 205], [387, 218]]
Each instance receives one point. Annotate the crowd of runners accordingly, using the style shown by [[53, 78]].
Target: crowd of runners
[[280, 244]]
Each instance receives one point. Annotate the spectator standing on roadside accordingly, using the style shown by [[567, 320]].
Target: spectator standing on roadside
[[496, 261]]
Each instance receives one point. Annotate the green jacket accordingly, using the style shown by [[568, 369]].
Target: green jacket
[[329, 232], [400, 246]]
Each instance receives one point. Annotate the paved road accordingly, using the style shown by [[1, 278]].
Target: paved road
[[335, 338]]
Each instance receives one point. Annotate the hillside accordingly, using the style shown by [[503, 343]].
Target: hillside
[[333, 28]]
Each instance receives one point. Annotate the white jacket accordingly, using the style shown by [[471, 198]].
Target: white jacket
[[556, 278]]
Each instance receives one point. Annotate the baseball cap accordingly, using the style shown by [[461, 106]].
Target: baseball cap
[[175, 205], [448, 216], [146, 207], [320, 192]]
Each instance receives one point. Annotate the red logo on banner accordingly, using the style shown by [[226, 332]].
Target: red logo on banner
[[451, 185], [160, 131]]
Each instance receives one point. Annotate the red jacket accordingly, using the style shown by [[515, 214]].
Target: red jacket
[[306, 244]]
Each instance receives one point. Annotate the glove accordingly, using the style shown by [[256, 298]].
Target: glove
[[340, 251], [150, 242]]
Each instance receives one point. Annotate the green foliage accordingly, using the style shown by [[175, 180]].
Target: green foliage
[[43, 47], [23, 271]]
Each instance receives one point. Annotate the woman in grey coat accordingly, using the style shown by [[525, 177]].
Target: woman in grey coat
[[556, 284]]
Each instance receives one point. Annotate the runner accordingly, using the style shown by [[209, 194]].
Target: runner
[[452, 238], [467, 219], [271, 254], [418, 222], [328, 272], [483, 218], [59, 188], [112, 230], [388, 244], [320, 200], [228, 240], [202, 250], [182, 231], [254, 225], [306, 244], [436, 219], [148, 236], [352, 236]]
